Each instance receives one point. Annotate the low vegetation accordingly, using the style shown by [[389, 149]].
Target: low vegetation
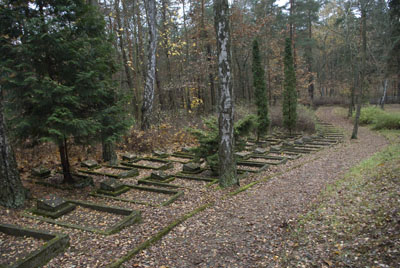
[[357, 219], [379, 119]]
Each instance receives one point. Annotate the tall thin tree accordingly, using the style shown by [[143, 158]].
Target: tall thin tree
[[12, 193], [148, 94], [289, 92], [227, 165], [260, 92], [363, 9]]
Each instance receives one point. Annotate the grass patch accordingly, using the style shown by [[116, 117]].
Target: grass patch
[[357, 221], [388, 121]]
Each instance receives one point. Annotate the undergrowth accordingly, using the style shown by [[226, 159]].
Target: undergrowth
[[378, 118], [357, 223]]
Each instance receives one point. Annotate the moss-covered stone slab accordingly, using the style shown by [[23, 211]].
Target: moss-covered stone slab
[[55, 244], [187, 155], [111, 184], [297, 150], [275, 160], [116, 192], [160, 154], [242, 155], [126, 172], [299, 142], [80, 181], [175, 194], [182, 175], [148, 181], [150, 163], [275, 149], [41, 172], [159, 176], [51, 202], [52, 206], [260, 150], [251, 166], [91, 163], [130, 217], [128, 157], [191, 168], [187, 150]]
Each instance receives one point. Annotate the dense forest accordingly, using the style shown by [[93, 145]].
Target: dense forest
[[78, 72]]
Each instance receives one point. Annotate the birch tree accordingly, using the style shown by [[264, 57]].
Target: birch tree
[[227, 165], [148, 94]]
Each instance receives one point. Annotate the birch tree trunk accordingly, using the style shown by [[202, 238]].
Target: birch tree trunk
[[227, 165], [148, 94], [12, 193], [385, 86]]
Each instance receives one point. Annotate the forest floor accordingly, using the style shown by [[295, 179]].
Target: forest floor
[[309, 212]]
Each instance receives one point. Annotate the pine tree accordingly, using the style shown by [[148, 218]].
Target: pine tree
[[12, 193], [59, 65], [289, 92], [260, 92]]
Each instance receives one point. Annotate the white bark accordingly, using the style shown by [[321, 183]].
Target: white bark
[[227, 163], [385, 85], [148, 94]]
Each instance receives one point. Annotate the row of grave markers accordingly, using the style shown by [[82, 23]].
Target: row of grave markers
[[258, 156]]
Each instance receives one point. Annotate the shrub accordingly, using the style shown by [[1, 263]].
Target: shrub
[[388, 121], [369, 115], [208, 139], [305, 119]]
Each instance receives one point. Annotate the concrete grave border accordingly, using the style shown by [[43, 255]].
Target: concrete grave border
[[55, 244], [131, 217]]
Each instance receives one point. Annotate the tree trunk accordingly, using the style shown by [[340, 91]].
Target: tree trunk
[[148, 94], [310, 62], [351, 105], [227, 165], [385, 86], [109, 154], [63, 149], [120, 33], [363, 67], [12, 193]]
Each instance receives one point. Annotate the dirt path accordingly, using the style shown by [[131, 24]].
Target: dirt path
[[247, 230]]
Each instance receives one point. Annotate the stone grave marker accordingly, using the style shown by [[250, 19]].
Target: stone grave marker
[[129, 157], [53, 206], [275, 149], [160, 154], [129, 173], [111, 185], [260, 150], [242, 154], [41, 172], [191, 168], [287, 144], [186, 149], [159, 176], [299, 142], [51, 203], [90, 164]]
